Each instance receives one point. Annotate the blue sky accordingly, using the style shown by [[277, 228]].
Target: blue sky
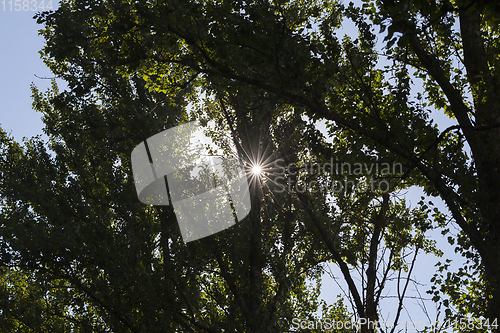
[[20, 62]]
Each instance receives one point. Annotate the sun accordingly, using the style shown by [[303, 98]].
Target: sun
[[256, 170]]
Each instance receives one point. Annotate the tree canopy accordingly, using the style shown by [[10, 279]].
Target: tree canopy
[[81, 253]]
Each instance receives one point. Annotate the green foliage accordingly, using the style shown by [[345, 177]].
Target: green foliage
[[260, 75]]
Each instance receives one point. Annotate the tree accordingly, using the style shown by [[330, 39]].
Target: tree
[[258, 68], [102, 262], [71, 219], [289, 51]]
